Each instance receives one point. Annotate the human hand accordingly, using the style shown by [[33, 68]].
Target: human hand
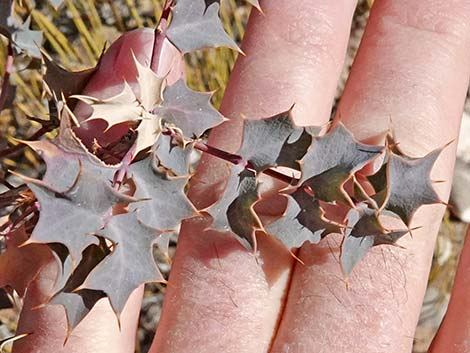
[[413, 65]]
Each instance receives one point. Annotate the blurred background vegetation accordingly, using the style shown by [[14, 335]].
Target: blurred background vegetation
[[75, 34]]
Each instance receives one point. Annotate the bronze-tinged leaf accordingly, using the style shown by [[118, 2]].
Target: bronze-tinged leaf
[[234, 211], [274, 141], [64, 82], [196, 27], [19, 265], [303, 221], [163, 203], [336, 156], [409, 184], [364, 231], [131, 262], [190, 111]]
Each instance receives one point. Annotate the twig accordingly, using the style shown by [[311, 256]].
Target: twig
[[6, 77], [230, 157]]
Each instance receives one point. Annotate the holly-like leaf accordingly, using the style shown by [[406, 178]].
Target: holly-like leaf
[[172, 156], [150, 86], [234, 211], [71, 216], [409, 184], [124, 107], [23, 39], [196, 27], [64, 82], [188, 110], [363, 232], [131, 262], [19, 265], [164, 204], [303, 221], [78, 303], [272, 142], [335, 156]]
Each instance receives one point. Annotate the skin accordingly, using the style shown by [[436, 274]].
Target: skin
[[412, 68]]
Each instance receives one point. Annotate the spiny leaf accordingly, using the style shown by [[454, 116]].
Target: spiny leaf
[[70, 217], [64, 82], [131, 262], [194, 27], [255, 3], [271, 142], [150, 86], [22, 38], [164, 203], [172, 156], [409, 184], [190, 111], [77, 304], [20, 264], [234, 211], [339, 155], [304, 220], [364, 231], [124, 107]]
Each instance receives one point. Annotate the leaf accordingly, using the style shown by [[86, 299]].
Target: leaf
[[65, 155], [23, 39], [131, 262], [409, 184], [124, 107], [303, 221], [363, 232], [234, 211], [77, 304], [188, 110], [70, 217], [150, 86], [19, 265], [255, 3], [172, 156], [272, 142], [194, 27], [332, 159], [164, 204], [61, 81]]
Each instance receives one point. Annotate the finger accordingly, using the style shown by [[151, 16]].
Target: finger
[[294, 53], [413, 66], [454, 332], [99, 331]]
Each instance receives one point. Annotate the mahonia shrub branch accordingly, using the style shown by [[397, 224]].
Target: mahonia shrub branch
[[103, 208]]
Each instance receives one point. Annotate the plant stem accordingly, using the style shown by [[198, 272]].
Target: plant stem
[[230, 157], [6, 77]]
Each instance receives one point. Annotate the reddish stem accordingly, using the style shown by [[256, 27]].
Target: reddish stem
[[160, 33], [230, 157]]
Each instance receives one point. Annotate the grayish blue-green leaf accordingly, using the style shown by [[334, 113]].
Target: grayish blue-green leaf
[[196, 27], [131, 262], [234, 211], [164, 204], [272, 142], [190, 111], [303, 221]]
